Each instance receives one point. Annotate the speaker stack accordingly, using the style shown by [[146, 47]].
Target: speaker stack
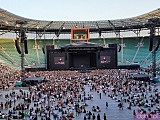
[[17, 45]]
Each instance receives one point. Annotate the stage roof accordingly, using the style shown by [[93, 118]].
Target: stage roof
[[12, 22], [82, 45]]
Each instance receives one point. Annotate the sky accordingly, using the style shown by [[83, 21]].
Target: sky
[[79, 10]]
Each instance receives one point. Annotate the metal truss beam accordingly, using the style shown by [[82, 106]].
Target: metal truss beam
[[114, 28]]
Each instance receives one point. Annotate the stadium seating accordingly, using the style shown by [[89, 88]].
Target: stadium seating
[[8, 52], [60, 42]]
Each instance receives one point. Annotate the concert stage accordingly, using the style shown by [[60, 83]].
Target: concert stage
[[82, 55]]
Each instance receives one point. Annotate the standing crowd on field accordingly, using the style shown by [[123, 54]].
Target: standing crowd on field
[[63, 95]]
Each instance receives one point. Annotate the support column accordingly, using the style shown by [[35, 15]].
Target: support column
[[22, 53], [122, 45], [153, 63], [22, 37], [152, 46]]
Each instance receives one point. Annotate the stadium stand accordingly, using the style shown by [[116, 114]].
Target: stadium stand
[[135, 50]]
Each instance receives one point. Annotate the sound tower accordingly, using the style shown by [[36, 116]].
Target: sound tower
[[43, 50], [152, 36], [119, 49], [151, 43], [17, 46], [48, 50], [24, 41], [25, 45], [100, 33], [114, 46]]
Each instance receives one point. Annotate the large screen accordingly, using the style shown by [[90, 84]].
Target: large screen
[[80, 34], [105, 59], [59, 60]]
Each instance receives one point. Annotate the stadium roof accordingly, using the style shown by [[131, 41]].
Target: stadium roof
[[12, 22]]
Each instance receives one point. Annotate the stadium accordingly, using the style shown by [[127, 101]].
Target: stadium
[[31, 48]]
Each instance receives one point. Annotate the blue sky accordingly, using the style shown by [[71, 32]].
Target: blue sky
[[79, 10]]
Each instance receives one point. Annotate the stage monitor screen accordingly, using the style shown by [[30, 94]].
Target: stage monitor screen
[[79, 33], [59, 60], [105, 59]]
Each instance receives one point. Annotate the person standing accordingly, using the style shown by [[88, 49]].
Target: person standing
[[105, 117], [93, 116], [85, 117], [98, 117], [106, 105]]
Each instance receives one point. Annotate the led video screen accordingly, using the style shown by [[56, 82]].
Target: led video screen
[[80, 34]]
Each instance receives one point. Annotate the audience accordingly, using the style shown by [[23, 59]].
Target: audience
[[65, 91]]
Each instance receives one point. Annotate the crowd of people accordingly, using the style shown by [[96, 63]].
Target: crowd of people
[[63, 95], [8, 76]]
